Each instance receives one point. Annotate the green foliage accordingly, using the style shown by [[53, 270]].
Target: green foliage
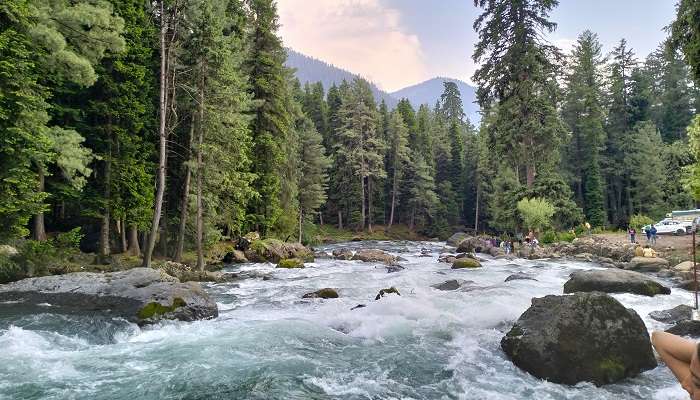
[[10, 271], [637, 221], [692, 172], [685, 33], [536, 213], [548, 237]]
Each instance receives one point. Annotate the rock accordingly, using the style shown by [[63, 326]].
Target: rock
[[235, 257], [647, 264], [184, 273], [466, 263], [290, 263], [7, 250], [394, 268], [688, 285], [614, 281], [686, 328], [447, 258], [452, 284], [384, 292], [456, 239], [520, 276], [496, 252], [685, 266], [273, 250], [140, 295], [373, 255], [673, 315], [321, 255], [246, 240], [342, 254], [358, 306], [325, 293], [581, 337], [473, 245]]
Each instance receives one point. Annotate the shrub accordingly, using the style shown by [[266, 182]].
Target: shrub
[[548, 237], [567, 237], [10, 271], [536, 213], [638, 221]]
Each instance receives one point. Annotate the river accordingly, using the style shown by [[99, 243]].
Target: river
[[268, 343]]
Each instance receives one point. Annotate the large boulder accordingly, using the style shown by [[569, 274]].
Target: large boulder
[[273, 250], [140, 295], [373, 255], [456, 239], [647, 264], [466, 262], [474, 245], [614, 281], [581, 337], [235, 257], [291, 263], [686, 327]]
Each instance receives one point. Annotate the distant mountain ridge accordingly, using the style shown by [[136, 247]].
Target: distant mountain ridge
[[309, 69]]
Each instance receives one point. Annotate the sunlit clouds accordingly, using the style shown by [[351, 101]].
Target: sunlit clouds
[[362, 36]]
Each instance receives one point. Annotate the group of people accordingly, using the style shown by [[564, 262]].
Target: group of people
[[650, 233]]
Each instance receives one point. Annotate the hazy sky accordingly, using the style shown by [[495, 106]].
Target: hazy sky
[[397, 43]]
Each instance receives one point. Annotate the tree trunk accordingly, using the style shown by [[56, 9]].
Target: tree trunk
[[363, 216], [105, 248], [530, 175], [393, 200], [184, 209], [300, 221], [476, 216], [121, 227], [320, 217], [340, 220], [39, 227], [200, 142], [413, 218], [162, 145], [134, 249], [369, 202]]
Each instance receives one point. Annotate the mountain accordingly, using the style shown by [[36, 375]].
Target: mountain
[[429, 92], [309, 69]]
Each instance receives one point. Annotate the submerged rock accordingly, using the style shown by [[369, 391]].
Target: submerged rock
[[290, 263], [452, 284], [581, 337], [614, 281], [394, 268], [374, 255], [674, 315], [520, 276], [384, 292], [325, 293], [446, 258], [466, 262], [140, 295]]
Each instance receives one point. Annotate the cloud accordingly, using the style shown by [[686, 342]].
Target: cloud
[[362, 36]]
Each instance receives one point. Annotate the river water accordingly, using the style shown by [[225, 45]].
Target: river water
[[268, 343]]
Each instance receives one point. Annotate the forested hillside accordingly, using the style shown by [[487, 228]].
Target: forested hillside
[[162, 128], [429, 92], [311, 70]]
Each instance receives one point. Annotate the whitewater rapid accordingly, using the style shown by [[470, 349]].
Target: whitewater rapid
[[269, 343]]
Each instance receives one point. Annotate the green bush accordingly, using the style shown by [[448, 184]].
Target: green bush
[[10, 271], [536, 213], [548, 237], [638, 221], [69, 240], [567, 237]]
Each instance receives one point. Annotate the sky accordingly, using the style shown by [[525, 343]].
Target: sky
[[398, 43]]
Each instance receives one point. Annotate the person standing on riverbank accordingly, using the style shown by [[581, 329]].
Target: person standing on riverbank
[[633, 233], [653, 235]]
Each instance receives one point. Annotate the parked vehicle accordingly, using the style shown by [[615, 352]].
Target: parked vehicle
[[669, 226]]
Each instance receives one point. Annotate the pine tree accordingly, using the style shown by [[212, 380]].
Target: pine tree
[[583, 112], [313, 177], [397, 159], [271, 124], [646, 171], [518, 73], [685, 34]]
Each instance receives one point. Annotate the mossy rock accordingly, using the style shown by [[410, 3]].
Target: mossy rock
[[466, 262], [325, 293], [387, 291], [155, 309], [291, 263]]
